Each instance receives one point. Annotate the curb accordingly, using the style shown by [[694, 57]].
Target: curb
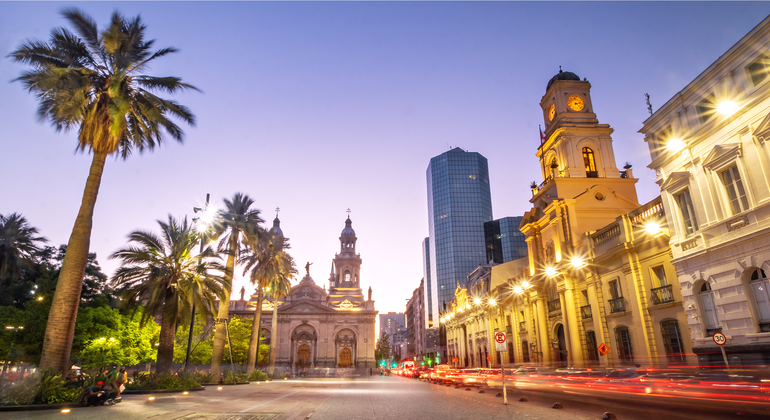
[[229, 383], [159, 391], [37, 407]]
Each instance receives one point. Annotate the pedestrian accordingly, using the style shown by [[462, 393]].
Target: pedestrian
[[94, 395], [121, 380]]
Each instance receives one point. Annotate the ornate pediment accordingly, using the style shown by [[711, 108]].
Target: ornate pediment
[[721, 155], [304, 306], [676, 180], [346, 304]]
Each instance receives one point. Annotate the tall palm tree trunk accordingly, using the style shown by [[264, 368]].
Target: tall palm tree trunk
[[273, 339], [60, 328], [167, 334], [220, 335], [254, 340]]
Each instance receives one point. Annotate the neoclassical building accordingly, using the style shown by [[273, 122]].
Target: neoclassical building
[[709, 147], [598, 264], [319, 327]]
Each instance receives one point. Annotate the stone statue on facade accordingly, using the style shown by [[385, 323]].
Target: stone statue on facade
[[243, 292], [307, 268]]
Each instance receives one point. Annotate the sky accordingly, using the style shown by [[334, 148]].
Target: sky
[[323, 106]]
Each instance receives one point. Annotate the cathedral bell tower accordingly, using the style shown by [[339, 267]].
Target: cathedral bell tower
[[345, 280]]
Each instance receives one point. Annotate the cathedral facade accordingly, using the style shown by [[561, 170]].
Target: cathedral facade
[[320, 327]]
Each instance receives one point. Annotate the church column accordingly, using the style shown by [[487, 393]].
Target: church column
[[312, 352], [576, 351], [542, 330]]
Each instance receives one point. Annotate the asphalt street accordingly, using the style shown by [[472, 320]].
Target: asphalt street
[[378, 397]]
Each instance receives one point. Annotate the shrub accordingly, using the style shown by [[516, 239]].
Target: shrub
[[40, 388], [164, 381], [257, 375]]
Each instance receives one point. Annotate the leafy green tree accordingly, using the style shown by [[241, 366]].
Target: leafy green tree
[[159, 273], [18, 250], [93, 81], [279, 287], [235, 219], [201, 351], [103, 352], [382, 348]]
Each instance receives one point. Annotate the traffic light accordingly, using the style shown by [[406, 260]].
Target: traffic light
[[395, 364], [382, 363], [438, 360], [423, 363]]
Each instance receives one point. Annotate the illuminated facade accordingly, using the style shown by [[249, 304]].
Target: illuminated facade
[[597, 269], [710, 151], [317, 328]]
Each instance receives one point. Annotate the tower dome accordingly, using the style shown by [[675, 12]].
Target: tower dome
[[276, 229], [348, 231], [562, 75]]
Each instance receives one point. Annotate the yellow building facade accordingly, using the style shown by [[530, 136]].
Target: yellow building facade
[[598, 270]]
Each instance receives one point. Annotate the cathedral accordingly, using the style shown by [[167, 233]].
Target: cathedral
[[320, 327]]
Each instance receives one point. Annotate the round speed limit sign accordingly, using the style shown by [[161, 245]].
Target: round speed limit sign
[[720, 338]]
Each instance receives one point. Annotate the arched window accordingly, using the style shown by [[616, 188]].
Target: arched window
[[623, 339], [760, 285], [709, 309], [672, 340], [589, 162], [347, 275]]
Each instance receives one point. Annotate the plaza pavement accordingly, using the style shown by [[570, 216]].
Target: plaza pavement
[[373, 397]]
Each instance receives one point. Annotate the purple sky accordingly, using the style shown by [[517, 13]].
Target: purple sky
[[317, 107]]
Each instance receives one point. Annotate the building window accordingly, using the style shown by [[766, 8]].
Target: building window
[[687, 211], [590, 163], [759, 69], [709, 308], [706, 108], [614, 289], [623, 338], [760, 285], [660, 276], [672, 340], [731, 179], [593, 348]]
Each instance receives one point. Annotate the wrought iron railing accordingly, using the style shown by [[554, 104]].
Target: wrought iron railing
[[585, 311], [662, 295], [617, 305], [554, 305]]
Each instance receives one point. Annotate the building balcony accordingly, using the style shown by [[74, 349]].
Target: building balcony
[[523, 326], [554, 305], [662, 295], [617, 305], [585, 312]]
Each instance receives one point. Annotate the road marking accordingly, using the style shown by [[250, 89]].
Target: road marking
[[268, 402]]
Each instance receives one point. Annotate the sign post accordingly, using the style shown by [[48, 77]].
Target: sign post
[[500, 346], [603, 349], [720, 339]]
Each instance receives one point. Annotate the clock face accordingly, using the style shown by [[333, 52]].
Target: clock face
[[575, 103], [551, 112]]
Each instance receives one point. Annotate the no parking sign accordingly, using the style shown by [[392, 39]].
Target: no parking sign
[[500, 339]]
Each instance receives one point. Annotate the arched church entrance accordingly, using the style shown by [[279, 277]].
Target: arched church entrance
[[346, 358], [303, 356]]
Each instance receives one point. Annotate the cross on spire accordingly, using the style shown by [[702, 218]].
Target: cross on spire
[[348, 210], [277, 209]]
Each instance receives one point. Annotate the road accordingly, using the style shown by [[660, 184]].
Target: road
[[378, 397]]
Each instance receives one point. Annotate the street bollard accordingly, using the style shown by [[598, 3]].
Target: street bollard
[[609, 416], [467, 389], [523, 399], [557, 405], [499, 394], [482, 391]]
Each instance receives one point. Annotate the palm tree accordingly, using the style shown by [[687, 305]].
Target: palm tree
[[18, 246], [94, 81], [237, 218], [164, 275], [280, 286], [268, 265]]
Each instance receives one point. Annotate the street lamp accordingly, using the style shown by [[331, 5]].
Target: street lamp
[[577, 261], [727, 108], [550, 271], [477, 301], [492, 301], [652, 228], [207, 216]]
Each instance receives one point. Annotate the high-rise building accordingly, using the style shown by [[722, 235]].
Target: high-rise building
[[426, 285], [390, 323], [459, 203], [504, 240]]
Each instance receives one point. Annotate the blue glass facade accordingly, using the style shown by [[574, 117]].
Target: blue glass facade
[[427, 283], [459, 203], [504, 240]]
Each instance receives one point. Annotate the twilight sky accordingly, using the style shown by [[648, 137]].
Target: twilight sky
[[317, 107]]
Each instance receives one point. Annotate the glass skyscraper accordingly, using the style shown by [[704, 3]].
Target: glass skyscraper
[[459, 203], [505, 242]]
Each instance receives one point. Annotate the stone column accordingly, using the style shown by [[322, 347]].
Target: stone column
[[314, 343], [598, 320], [542, 330], [567, 330], [578, 359]]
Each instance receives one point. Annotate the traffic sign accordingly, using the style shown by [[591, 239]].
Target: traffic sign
[[603, 349], [455, 360], [500, 339], [720, 338], [489, 358]]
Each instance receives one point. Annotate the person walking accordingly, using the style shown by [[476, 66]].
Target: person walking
[[121, 380]]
